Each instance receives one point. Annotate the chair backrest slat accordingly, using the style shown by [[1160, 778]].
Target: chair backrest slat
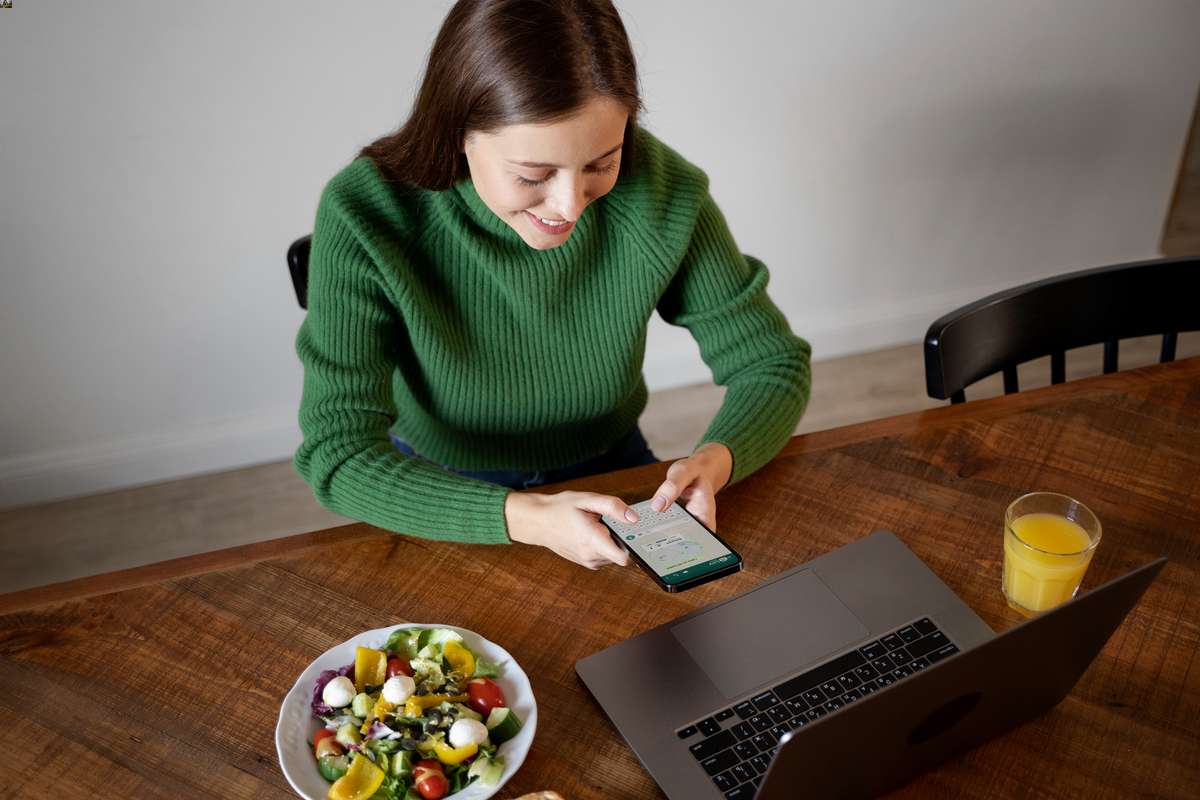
[[1168, 347], [1052, 316], [1058, 366], [297, 258]]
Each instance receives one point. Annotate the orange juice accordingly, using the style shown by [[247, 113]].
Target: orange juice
[[1045, 556]]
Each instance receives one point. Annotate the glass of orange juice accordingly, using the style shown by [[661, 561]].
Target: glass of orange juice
[[1049, 540]]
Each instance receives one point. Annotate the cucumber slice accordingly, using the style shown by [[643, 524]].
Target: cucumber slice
[[487, 770], [348, 734], [402, 763], [362, 704], [502, 725]]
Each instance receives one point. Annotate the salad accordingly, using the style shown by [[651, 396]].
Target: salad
[[418, 719]]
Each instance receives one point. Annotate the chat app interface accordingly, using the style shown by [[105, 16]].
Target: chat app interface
[[671, 542]]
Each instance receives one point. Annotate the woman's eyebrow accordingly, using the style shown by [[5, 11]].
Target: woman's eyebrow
[[556, 166]]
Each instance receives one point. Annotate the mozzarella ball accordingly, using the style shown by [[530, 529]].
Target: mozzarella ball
[[338, 692], [398, 688], [467, 731]]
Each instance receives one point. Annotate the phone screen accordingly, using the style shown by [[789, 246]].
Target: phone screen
[[672, 543]]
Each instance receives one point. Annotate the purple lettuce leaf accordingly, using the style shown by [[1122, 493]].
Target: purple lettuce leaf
[[319, 707], [380, 731]]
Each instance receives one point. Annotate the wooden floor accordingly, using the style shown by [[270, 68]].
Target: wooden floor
[[85, 536]]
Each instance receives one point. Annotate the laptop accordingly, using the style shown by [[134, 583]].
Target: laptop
[[783, 688]]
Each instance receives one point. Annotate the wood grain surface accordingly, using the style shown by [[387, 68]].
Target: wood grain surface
[[165, 681]]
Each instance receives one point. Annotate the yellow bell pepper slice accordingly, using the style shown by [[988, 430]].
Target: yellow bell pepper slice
[[415, 706], [381, 707], [370, 668], [454, 755], [459, 657], [361, 781]]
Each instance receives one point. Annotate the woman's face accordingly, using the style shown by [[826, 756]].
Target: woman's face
[[540, 178]]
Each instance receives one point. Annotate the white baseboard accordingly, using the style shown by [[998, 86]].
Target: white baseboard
[[672, 360]]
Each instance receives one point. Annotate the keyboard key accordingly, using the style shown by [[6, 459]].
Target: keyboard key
[[901, 672], [924, 626], [712, 746], [866, 672], [720, 762], [764, 701], [744, 792], [797, 705], [868, 687], [937, 656], [883, 665], [721, 716], [900, 656], [825, 672], [884, 680], [745, 750], [873, 650], [908, 633], [814, 696], [744, 710], [761, 763], [764, 742], [920, 663], [743, 772], [743, 730], [848, 681], [779, 713], [798, 722], [831, 688], [833, 705], [690, 730], [891, 641], [725, 781], [781, 730], [760, 722], [851, 696], [709, 726], [934, 641], [815, 713]]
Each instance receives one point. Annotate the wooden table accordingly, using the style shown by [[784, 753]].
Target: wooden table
[[165, 681]]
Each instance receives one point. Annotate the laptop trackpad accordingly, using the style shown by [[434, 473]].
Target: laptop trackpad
[[768, 633]]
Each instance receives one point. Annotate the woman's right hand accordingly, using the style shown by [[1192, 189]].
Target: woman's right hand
[[569, 524]]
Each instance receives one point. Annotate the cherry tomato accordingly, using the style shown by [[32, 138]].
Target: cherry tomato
[[324, 733], [398, 666], [430, 780], [483, 695]]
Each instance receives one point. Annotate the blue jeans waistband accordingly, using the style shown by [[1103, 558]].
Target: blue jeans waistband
[[630, 451]]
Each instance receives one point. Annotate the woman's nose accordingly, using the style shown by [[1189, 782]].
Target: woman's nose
[[571, 199]]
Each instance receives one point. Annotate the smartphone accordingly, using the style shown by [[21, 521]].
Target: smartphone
[[673, 547]]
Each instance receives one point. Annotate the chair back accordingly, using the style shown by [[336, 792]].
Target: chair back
[[297, 258], [1051, 316]]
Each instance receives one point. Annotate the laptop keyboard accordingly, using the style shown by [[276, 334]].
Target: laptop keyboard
[[735, 745]]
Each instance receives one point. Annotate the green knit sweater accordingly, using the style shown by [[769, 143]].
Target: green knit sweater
[[430, 317]]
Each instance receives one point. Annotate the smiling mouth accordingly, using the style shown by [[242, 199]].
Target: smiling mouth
[[549, 225]]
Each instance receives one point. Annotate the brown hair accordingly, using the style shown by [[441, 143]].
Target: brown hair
[[504, 62]]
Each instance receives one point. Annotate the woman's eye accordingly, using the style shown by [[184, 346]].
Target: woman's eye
[[529, 182], [606, 168]]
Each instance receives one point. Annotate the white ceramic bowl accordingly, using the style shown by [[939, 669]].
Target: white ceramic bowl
[[297, 725]]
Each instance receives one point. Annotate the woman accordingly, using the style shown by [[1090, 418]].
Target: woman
[[480, 285]]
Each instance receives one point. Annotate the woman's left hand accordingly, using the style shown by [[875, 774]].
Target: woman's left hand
[[695, 481]]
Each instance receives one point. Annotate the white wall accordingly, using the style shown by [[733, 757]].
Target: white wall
[[889, 161]]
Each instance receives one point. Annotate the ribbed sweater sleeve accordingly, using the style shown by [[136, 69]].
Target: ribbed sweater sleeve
[[346, 345], [720, 296]]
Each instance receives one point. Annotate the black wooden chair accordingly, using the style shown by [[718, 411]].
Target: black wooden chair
[[1052, 316], [297, 258]]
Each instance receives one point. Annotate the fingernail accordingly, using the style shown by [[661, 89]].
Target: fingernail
[[658, 503], [631, 515]]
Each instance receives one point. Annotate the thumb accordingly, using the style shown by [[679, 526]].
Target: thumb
[[606, 505]]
